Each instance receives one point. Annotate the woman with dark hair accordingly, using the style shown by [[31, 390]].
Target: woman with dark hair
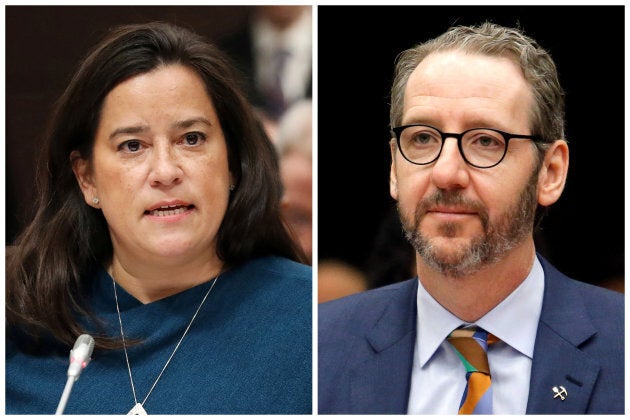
[[157, 232]]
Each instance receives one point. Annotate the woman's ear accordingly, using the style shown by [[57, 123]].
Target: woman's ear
[[82, 173], [553, 174]]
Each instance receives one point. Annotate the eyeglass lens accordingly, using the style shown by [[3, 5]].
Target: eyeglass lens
[[481, 147]]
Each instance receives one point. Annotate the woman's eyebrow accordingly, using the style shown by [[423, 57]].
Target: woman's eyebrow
[[190, 122], [129, 130], [135, 129]]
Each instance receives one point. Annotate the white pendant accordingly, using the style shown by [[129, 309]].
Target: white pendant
[[137, 410]]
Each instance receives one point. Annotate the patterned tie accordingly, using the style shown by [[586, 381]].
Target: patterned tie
[[471, 347]]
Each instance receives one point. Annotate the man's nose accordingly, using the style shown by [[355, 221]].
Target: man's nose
[[450, 170]]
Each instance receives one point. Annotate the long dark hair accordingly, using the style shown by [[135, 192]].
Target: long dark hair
[[67, 240]]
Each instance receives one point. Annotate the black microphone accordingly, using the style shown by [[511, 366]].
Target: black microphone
[[80, 356]]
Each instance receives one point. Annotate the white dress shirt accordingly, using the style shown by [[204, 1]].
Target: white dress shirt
[[438, 376]]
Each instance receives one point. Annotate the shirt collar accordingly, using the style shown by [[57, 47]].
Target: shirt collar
[[521, 308]]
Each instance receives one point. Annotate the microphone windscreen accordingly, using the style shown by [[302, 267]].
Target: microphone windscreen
[[85, 339]]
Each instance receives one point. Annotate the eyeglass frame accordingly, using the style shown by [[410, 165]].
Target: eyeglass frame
[[397, 131]]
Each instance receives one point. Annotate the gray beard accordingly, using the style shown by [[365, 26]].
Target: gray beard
[[497, 240]]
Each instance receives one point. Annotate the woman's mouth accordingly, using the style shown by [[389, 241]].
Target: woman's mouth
[[170, 210]]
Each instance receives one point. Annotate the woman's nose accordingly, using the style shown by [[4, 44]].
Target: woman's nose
[[166, 167]]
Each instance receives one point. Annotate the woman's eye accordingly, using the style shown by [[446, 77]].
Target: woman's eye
[[193, 139], [129, 146]]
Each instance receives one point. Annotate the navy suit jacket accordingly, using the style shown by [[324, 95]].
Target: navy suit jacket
[[366, 347]]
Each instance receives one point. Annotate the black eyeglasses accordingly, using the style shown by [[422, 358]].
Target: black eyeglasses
[[480, 147]]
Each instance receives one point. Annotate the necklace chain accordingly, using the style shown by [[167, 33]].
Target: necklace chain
[[122, 335]]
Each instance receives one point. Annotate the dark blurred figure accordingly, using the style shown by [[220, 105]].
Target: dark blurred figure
[[392, 259], [274, 51]]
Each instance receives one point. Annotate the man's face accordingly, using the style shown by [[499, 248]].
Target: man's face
[[460, 218]]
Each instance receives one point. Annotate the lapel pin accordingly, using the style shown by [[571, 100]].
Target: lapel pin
[[559, 391]]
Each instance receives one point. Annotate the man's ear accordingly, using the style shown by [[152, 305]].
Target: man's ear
[[393, 180], [553, 173], [83, 174]]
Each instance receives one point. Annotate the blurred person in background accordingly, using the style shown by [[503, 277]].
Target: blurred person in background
[[337, 278], [392, 259], [294, 144], [274, 51]]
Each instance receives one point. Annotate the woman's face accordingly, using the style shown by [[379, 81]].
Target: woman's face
[[159, 168]]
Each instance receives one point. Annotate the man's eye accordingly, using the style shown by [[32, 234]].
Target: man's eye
[[423, 138]]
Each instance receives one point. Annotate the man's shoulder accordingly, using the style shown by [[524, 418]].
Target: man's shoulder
[[580, 335], [604, 307], [373, 296], [593, 296], [598, 310], [365, 308], [599, 295]]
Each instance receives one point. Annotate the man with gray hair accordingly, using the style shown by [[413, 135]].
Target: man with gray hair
[[489, 326]]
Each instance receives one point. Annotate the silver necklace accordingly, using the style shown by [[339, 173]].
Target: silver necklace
[[138, 408]]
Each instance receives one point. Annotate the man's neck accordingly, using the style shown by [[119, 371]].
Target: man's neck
[[471, 297]]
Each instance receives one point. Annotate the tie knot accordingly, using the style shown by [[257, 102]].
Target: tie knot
[[472, 346], [477, 333]]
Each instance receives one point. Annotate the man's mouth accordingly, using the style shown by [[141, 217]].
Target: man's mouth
[[451, 210]]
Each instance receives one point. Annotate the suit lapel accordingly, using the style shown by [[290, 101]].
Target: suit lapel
[[380, 383], [558, 362]]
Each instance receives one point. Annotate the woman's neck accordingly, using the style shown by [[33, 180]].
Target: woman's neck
[[149, 281]]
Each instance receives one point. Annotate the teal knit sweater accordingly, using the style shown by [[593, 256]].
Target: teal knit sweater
[[247, 352]]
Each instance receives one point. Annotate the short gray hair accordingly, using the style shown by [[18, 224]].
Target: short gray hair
[[539, 70]]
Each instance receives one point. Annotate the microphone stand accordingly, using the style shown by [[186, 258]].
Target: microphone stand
[[79, 358], [66, 394]]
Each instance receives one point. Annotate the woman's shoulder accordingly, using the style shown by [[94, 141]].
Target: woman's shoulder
[[279, 268], [272, 284]]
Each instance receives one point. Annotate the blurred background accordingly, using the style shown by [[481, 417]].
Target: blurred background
[[270, 45], [359, 237]]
